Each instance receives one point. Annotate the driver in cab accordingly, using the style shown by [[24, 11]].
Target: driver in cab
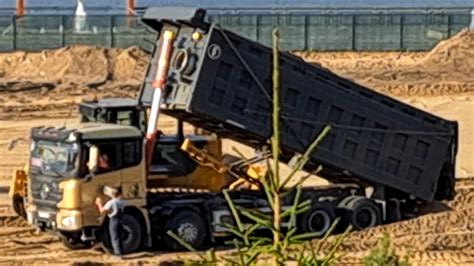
[[104, 162]]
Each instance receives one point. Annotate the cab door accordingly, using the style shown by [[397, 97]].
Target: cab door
[[133, 172], [109, 173]]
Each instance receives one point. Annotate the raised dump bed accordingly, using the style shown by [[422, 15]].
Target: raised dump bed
[[222, 82]]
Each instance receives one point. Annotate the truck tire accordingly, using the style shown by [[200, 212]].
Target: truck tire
[[187, 225], [318, 219], [74, 242], [362, 213], [132, 235]]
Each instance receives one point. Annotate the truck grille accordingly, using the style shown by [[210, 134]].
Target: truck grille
[[45, 191]]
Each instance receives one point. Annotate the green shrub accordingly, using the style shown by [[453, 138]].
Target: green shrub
[[384, 254]]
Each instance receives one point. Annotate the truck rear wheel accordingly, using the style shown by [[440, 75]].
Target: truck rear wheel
[[318, 219], [188, 226], [132, 235], [362, 213]]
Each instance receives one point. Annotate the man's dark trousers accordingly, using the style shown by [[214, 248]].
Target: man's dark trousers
[[115, 231]]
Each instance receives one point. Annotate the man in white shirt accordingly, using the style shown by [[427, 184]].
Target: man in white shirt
[[114, 209]]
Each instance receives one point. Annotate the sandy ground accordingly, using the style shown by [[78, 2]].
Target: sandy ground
[[41, 89], [444, 238]]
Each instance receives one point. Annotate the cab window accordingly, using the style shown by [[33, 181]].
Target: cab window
[[115, 155], [110, 156], [125, 118], [132, 152]]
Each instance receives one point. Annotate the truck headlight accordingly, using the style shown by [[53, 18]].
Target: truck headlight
[[69, 222]]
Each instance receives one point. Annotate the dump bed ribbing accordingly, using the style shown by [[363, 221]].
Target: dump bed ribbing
[[222, 82]]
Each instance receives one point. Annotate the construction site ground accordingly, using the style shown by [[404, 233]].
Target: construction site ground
[[43, 88]]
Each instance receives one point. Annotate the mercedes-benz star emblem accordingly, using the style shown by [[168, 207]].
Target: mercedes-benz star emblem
[[44, 193]]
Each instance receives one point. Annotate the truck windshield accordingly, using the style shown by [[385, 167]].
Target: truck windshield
[[54, 158]]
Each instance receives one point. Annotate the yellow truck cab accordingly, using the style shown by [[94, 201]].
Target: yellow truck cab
[[60, 180], [64, 179], [69, 168]]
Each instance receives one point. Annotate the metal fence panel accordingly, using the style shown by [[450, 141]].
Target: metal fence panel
[[6, 33], [422, 32], [458, 22], [291, 28], [329, 33], [92, 30], [324, 32], [128, 31], [38, 32], [377, 32], [286, 4], [244, 25]]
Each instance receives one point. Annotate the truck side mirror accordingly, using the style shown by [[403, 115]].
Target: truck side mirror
[[93, 162]]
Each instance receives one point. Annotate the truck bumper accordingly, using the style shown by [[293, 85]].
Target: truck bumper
[[43, 219], [63, 220]]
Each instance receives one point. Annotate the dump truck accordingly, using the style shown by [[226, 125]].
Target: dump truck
[[221, 81], [382, 157], [180, 164]]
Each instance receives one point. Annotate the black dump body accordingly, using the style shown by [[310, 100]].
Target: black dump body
[[223, 83]]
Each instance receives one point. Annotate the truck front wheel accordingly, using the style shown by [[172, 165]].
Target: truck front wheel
[[132, 235], [188, 226]]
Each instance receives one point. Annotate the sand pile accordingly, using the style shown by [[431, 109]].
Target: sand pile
[[129, 63], [66, 65], [446, 70], [53, 80], [81, 65], [457, 54]]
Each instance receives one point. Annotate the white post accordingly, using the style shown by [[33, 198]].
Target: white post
[[80, 25], [471, 27]]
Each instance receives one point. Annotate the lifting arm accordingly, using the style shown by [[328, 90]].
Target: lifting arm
[[158, 85], [203, 158], [243, 171]]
